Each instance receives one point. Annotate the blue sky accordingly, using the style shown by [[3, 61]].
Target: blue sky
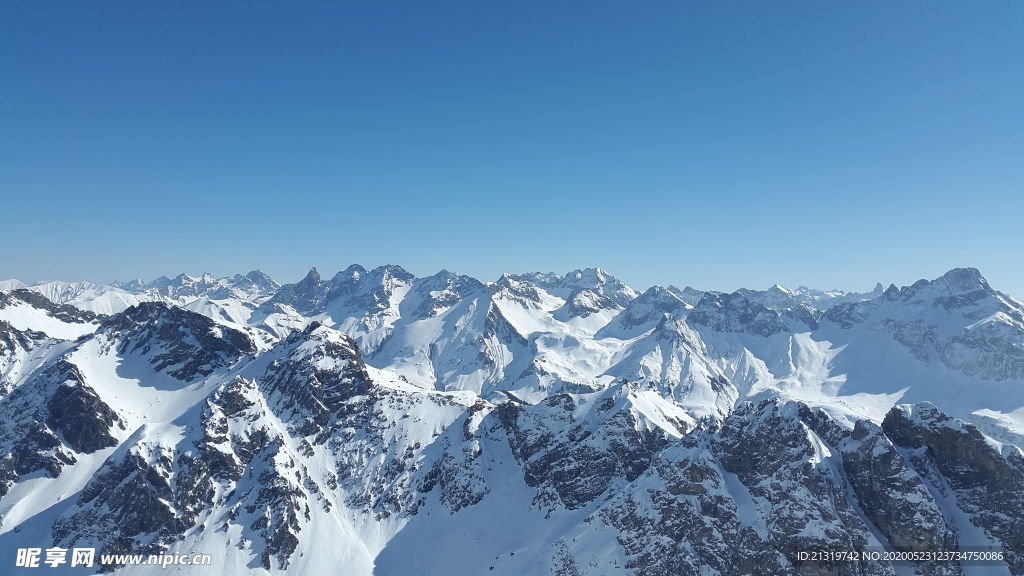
[[830, 144]]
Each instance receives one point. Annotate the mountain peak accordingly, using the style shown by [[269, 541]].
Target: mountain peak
[[355, 272], [589, 275], [736, 313], [963, 280], [782, 289], [262, 279], [135, 285]]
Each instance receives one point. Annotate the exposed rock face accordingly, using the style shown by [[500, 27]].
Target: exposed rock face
[[992, 350], [252, 286], [738, 496], [975, 329], [916, 335], [184, 286], [128, 500], [741, 500], [735, 313], [16, 346], [77, 412], [48, 420], [987, 486], [183, 344], [371, 291], [651, 307], [308, 296], [846, 315], [62, 312], [803, 314], [891, 493], [320, 370], [442, 291], [573, 455]]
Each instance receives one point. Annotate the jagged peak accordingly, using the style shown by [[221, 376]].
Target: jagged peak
[[395, 271], [658, 290], [688, 294], [258, 276], [159, 282], [354, 270], [357, 273], [955, 284], [963, 280], [448, 278], [185, 343], [129, 285], [317, 331], [595, 276], [312, 276], [658, 295], [354, 274], [736, 313]]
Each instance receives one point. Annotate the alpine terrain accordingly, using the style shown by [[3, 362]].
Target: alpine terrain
[[379, 423]]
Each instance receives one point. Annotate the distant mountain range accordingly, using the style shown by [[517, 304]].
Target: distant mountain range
[[380, 423]]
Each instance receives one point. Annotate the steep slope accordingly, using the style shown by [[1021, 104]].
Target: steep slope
[[451, 336], [365, 304], [22, 352], [307, 297], [316, 447], [645, 312], [24, 309], [674, 361]]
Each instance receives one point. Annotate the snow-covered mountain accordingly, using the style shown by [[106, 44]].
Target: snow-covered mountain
[[380, 423]]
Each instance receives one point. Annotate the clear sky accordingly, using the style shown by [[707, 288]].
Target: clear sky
[[716, 144]]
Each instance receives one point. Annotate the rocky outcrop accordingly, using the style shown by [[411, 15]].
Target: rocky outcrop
[[741, 499], [442, 291], [307, 296], [650, 308], [16, 346], [45, 422], [573, 453], [735, 313], [63, 312], [318, 370], [81, 417], [893, 496], [184, 344], [988, 487]]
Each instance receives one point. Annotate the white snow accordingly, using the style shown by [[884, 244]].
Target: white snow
[[25, 317]]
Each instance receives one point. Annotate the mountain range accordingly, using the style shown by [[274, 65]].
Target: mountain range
[[380, 423]]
